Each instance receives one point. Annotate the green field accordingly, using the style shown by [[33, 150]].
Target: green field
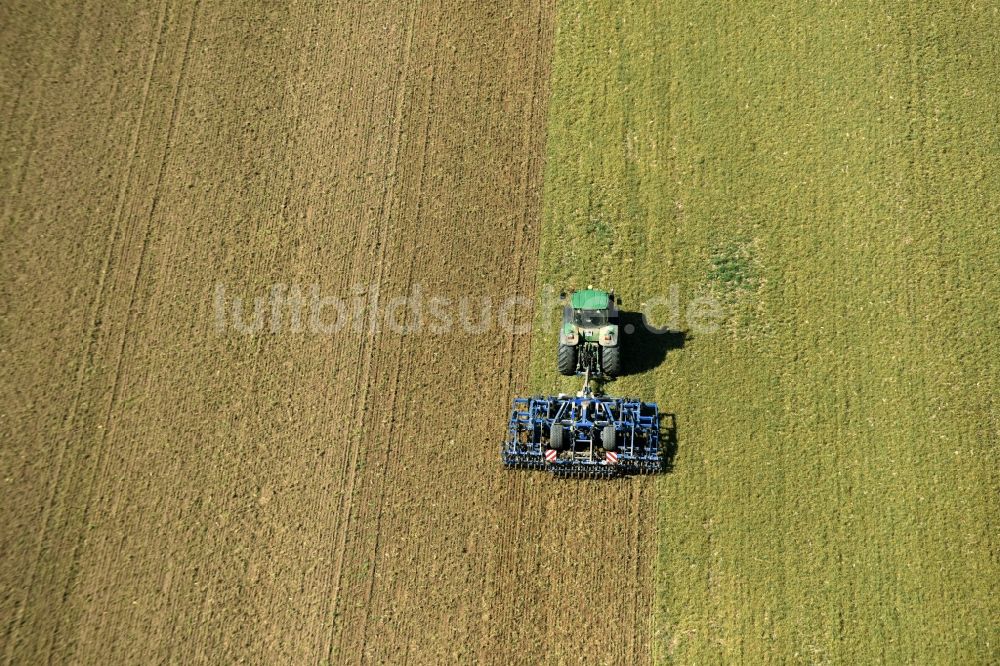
[[829, 173]]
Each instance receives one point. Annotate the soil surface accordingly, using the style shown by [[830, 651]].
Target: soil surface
[[186, 481]]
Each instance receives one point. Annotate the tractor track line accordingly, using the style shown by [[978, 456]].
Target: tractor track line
[[129, 316], [343, 506], [384, 467], [130, 310], [93, 327], [393, 210], [88, 350], [378, 273]]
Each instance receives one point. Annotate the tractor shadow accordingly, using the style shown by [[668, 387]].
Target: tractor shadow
[[644, 347]]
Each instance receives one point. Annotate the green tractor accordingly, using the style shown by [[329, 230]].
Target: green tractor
[[588, 338]]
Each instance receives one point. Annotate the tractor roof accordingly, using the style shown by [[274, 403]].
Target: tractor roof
[[590, 299]]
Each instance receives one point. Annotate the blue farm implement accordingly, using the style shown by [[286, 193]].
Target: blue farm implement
[[584, 435]]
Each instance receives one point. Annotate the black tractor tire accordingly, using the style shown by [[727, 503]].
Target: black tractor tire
[[567, 360], [611, 361], [608, 439], [557, 437]]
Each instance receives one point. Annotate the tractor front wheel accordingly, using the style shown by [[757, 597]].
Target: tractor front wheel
[[567, 360]]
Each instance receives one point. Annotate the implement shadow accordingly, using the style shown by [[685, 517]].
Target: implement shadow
[[668, 440]]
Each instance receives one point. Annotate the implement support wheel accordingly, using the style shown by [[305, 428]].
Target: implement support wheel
[[557, 437]]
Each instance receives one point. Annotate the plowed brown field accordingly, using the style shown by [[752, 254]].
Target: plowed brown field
[[176, 492]]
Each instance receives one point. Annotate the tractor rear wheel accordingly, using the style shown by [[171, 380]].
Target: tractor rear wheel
[[608, 439], [611, 363], [557, 437], [567, 360]]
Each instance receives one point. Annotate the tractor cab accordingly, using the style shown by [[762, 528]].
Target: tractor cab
[[591, 318], [588, 338]]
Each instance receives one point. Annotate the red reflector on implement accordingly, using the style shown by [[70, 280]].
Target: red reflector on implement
[[550, 455], [611, 457]]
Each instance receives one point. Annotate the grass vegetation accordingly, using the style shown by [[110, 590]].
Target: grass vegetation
[[831, 173]]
